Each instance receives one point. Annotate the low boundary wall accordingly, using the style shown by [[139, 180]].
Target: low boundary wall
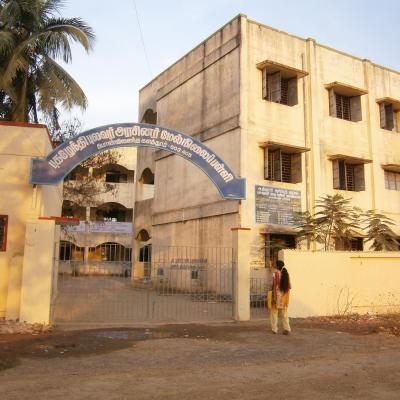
[[339, 283]]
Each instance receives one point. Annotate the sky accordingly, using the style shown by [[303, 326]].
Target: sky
[[113, 73]]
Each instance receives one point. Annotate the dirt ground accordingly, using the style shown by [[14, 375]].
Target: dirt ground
[[324, 358]]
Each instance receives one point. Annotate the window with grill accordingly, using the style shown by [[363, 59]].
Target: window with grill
[[344, 107], [111, 251], [281, 166], [3, 232], [353, 244], [348, 176], [279, 89], [389, 117], [392, 180]]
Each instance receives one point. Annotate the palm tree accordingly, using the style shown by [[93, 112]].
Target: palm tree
[[32, 37]]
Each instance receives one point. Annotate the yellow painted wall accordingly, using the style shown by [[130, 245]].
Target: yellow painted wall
[[309, 124], [38, 277], [338, 283], [19, 143]]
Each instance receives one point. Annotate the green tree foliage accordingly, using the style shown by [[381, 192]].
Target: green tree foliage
[[305, 223], [334, 218], [32, 37], [379, 232]]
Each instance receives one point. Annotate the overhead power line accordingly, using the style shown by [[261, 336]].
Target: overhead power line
[[142, 40]]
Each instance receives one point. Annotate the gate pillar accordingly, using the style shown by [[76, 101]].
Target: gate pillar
[[38, 273], [241, 273]]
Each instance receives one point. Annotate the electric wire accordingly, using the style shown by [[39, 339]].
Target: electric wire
[[142, 39]]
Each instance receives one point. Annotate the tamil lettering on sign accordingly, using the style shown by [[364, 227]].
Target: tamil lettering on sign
[[110, 227], [189, 263], [276, 206], [101, 227], [63, 159]]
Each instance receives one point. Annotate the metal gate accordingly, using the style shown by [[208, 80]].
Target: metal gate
[[260, 281], [176, 284]]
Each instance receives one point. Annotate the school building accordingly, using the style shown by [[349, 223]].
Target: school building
[[297, 119]]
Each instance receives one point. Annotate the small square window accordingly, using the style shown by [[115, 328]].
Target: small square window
[[348, 176], [389, 116], [344, 106], [392, 180], [3, 232], [282, 166], [195, 274], [279, 89]]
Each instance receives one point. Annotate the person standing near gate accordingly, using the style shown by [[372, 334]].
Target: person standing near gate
[[278, 299]]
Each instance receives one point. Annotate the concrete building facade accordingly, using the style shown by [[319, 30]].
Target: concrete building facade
[[102, 242], [297, 119]]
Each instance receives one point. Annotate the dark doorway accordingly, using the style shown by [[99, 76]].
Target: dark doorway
[[275, 242]]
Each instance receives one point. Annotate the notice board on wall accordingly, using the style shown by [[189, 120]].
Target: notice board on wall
[[276, 206]]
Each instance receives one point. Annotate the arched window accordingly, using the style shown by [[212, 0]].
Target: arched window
[[70, 251], [72, 209], [114, 173], [143, 236], [110, 251], [149, 117], [147, 177], [114, 212], [77, 174]]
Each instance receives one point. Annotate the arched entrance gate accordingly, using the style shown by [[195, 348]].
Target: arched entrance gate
[[178, 283]]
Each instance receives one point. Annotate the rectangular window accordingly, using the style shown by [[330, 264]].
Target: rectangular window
[[348, 176], [279, 89], [353, 244], [280, 166], [195, 274], [389, 117], [116, 177], [3, 232], [344, 107], [392, 180]]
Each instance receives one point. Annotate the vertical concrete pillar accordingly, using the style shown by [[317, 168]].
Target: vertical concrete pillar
[[37, 273], [14, 288], [137, 267], [374, 140], [241, 273], [4, 275], [87, 233]]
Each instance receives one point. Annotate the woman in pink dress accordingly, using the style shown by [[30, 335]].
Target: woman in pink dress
[[280, 298]]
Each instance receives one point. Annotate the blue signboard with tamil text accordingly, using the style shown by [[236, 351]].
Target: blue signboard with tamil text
[[64, 158]]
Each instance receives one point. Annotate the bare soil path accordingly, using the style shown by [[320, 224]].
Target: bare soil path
[[343, 358]]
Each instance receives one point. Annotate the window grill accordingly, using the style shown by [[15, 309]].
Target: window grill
[[343, 107], [3, 232], [284, 91], [350, 177], [271, 165], [286, 167], [392, 180]]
